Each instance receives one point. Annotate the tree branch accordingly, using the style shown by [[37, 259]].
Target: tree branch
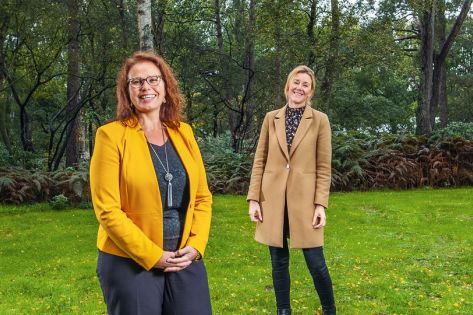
[[455, 29]]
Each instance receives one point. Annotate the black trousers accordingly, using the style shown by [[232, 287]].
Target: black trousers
[[315, 260], [129, 289]]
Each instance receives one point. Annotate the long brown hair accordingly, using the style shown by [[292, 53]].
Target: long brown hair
[[170, 112]]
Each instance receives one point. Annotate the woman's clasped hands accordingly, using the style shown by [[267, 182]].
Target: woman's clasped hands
[[178, 260]]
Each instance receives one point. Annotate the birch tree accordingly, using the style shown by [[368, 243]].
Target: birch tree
[[145, 24]]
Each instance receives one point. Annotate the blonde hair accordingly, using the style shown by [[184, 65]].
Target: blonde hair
[[293, 73]]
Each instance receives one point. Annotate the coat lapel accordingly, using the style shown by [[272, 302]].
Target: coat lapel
[[280, 127], [304, 125]]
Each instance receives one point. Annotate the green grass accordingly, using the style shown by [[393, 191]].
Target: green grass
[[403, 252]]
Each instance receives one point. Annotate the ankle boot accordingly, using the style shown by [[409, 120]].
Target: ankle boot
[[329, 310], [284, 311]]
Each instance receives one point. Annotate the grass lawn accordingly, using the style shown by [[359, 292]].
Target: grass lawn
[[393, 252]]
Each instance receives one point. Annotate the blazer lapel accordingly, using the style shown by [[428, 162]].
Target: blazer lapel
[[144, 155], [280, 127], [304, 125]]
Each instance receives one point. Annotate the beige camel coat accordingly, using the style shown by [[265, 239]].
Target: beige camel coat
[[301, 178]]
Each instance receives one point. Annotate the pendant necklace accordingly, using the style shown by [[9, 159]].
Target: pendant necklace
[[168, 176]]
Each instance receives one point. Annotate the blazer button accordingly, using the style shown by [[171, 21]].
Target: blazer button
[[287, 165]]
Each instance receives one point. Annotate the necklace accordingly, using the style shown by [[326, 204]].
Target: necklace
[[168, 176]]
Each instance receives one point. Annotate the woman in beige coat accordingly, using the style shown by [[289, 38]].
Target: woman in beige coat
[[289, 188]]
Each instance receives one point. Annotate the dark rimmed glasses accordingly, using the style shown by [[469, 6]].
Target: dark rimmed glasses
[[152, 80]]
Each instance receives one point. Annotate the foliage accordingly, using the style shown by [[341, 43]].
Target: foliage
[[347, 161], [18, 185], [390, 161], [385, 251], [360, 162], [22, 159], [374, 86], [454, 130], [227, 171], [59, 202]]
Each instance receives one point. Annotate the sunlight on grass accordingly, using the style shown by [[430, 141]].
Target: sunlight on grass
[[406, 252]]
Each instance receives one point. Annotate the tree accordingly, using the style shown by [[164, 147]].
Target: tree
[[29, 65], [331, 65], [145, 24], [158, 22], [432, 92], [73, 84], [427, 23], [439, 97], [4, 134]]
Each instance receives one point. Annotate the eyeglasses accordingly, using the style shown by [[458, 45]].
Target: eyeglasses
[[152, 80]]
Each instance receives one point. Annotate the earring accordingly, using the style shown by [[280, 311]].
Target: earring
[[164, 100]]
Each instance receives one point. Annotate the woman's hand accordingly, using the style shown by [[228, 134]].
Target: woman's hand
[[182, 259], [163, 262], [254, 211], [319, 217]]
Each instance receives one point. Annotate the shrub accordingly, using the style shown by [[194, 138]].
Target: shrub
[[18, 185], [59, 202], [454, 129], [360, 162], [400, 162], [227, 171]]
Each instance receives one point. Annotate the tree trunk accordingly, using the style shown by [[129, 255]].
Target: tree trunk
[[26, 135], [249, 65], [235, 113], [331, 68], [310, 34], [223, 65], [423, 121], [144, 24], [440, 72], [443, 99], [4, 111], [158, 21], [123, 21], [277, 86], [73, 85], [90, 138], [4, 108]]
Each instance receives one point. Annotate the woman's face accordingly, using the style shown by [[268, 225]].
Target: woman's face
[[146, 88], [300, 89]]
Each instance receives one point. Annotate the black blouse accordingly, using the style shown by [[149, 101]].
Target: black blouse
[[173, 221], [293, 118]]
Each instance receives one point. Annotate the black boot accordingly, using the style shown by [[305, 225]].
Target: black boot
[[329, 310], [284, 311]]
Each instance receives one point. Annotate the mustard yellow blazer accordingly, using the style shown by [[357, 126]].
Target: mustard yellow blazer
[[126, 196]]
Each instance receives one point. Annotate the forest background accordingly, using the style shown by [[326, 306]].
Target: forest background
[[395, 78]]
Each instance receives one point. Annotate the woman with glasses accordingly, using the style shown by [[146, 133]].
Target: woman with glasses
[[151, 199], [289, 188]]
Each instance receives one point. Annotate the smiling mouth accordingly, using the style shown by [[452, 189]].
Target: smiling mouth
[[148, 96]]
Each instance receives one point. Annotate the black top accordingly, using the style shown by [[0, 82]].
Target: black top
[[174, 216], [293, 118]]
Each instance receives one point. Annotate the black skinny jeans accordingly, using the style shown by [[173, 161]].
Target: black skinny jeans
[[314, 258]]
